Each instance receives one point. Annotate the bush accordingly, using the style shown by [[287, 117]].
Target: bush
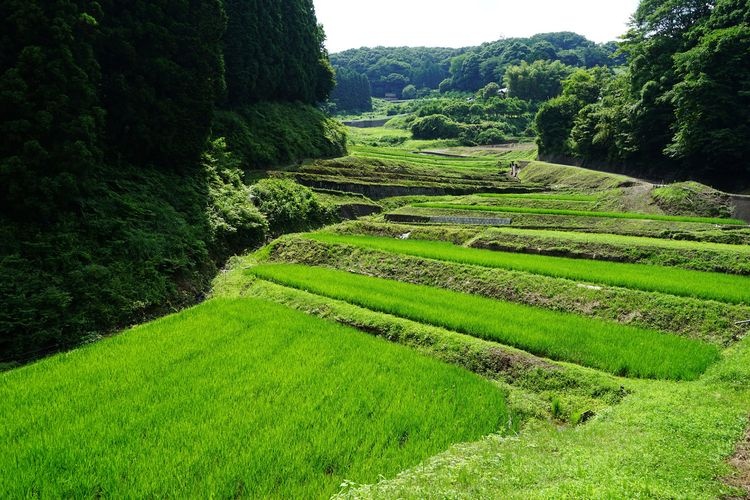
[[491, 136], [235, 222], [290, 207], [435, 127], [267, 134]]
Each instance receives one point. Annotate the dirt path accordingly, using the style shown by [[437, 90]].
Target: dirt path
[[741, 460]]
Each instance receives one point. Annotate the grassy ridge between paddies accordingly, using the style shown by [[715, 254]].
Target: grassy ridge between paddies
[[579, 198], [234, 398], [684, 282], [701, 256], [611, 347], [582, 213]]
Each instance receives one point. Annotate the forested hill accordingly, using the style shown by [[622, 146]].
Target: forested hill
[[681, 107], [390, 69], [114, 202]]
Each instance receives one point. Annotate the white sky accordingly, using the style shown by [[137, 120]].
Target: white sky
[[461, 23]]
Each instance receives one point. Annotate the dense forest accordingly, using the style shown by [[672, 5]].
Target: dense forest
[[391, 70], [115, 201], [680, 110]]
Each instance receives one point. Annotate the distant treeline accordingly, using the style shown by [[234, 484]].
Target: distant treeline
[[682, 108], [113, 202], [390, 70]]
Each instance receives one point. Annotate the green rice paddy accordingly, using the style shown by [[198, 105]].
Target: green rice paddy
[[611, 347], [581, 213], [684, 282], [234, 398]]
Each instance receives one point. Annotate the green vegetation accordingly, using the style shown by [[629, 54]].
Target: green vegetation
[[709, 321], [666, 440], [692, 197], [276, 133], [653, 118], [583, 213], [289, 207], [115, 203], [711, 286], [583, 198], [244, 398], [622, 350], [734, 259], [390, 69]]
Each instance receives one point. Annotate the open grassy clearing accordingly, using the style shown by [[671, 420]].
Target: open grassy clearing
[[688, 283], [583, 213], [701, 256], [232, 398], [708, 321], [614, 348]]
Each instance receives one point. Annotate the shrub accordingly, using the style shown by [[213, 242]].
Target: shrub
[[435, 127], [290, 207]]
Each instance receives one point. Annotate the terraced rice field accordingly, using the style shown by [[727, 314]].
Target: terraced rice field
[[234, 398], [614, 348], [582, 213], [688, 283]]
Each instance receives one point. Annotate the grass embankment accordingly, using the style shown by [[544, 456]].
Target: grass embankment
[[683, 282], [666, 440], [575, 178], [232, 398], [582, 198], [734, 259], [583, 213], [618, 349]]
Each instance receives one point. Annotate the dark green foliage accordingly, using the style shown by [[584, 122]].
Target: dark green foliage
[[161, 74], [435, 127], [538, 81], [553, 124], [107, 214], [510, 116], [270, 133], [473, 68], [290, 207], [50, 119], [352, 91], [273, 51], [681, 111]]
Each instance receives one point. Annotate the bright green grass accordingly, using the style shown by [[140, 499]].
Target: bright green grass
[[598, 344], [581, 213], [624, 241], [234, 398], [583, 198], [684, 282]]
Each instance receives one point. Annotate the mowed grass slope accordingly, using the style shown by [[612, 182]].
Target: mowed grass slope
[[684, 282], [615, 348], [234, 398], [581, 213]]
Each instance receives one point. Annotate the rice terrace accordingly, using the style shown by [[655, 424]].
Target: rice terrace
[[522, 270]]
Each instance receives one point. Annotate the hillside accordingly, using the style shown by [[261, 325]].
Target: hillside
[[126, 131], [583, 334]]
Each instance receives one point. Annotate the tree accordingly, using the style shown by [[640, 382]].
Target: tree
[[538, 81], [409, 92], [352, 91], [553, 123]]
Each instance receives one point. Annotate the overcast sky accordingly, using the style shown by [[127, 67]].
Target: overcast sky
[[461, 23]]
